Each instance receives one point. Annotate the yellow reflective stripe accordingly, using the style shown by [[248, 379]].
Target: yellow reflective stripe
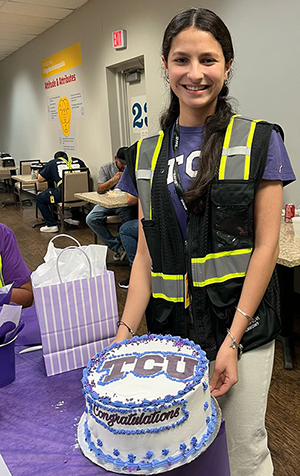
[[2, 283], [225, 146], [68, 163], [219, 255], [156, 151], [249, 144], [154, 161], [167, 298], [168, 277], [219, 280], [174, 277], [138, 154]]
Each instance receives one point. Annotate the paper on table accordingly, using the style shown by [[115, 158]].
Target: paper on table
[[4, 471], [10, 313], [5, 294], [6, 289]]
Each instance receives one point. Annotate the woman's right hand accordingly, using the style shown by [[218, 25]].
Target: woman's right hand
[[225, 373]]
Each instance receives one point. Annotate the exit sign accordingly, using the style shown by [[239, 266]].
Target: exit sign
[[119, 39]]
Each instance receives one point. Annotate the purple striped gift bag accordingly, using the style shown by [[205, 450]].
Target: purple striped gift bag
[[77, 319]]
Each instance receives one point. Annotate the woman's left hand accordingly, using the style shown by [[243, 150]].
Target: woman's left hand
[[225, 373]]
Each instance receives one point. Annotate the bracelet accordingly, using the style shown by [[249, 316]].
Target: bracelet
[[244, 314], [234, 343], [124, 324]]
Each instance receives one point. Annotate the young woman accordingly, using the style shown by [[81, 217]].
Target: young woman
[[209, 229]]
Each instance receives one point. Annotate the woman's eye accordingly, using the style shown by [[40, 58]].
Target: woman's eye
[[180, 60], [209, 60]]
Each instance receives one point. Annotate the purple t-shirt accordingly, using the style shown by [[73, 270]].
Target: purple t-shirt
[[126, 184], [278, 166], [14, 268]]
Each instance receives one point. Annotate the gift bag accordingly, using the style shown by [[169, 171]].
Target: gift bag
[[77, 317]]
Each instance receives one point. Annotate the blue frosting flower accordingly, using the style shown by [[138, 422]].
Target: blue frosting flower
[[165, 452], [99, 443], [131, 458], [205, 386], [149, 454], [182, 446], [193, 441], [116, 452], [205, 405], [208, 420]]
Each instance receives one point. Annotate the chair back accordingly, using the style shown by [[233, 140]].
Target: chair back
[[25, 166], [7, 161], [25, 169], [74, 181], [4, 174]]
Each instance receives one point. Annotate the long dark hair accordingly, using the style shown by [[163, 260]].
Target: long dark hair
[[215, 126]]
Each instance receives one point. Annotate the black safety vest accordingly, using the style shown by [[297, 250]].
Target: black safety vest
[[219, 242]]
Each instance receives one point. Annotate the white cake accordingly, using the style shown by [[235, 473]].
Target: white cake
[[148, 405]]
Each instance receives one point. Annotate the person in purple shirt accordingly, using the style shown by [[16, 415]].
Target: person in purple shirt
[[13, 268], [197, 54]]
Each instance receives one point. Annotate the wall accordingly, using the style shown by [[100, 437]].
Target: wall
[[266, 36]]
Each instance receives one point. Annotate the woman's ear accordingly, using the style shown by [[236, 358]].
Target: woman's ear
[[227, 69], [165, 63]]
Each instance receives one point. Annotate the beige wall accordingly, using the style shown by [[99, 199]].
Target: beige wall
[[266, 36]]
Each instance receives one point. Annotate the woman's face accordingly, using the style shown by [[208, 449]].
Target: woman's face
[[196, 69]]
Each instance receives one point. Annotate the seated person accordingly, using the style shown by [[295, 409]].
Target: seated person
[[53, 171], [13, 268], [129, 230], [109, 176]]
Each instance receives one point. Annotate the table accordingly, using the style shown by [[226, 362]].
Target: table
[[38, 425], [111, 199], [25, 179], [288, 259], [7, 169]]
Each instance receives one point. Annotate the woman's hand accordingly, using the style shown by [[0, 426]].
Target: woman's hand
[[225, 373]]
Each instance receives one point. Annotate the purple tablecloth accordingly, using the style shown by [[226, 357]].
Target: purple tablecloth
[[38, 425]]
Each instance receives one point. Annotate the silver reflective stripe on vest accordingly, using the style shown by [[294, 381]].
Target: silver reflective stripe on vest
[[168, 286], [165, 286], [146, 158], [220, 267], [144, 174], [236, 153]]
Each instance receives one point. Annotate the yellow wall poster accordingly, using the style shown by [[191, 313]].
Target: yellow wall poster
[[59, 62]]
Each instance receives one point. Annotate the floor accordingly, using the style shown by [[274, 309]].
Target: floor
[[283, 414]]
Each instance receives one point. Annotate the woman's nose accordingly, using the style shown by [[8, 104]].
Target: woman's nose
[[195, 72]]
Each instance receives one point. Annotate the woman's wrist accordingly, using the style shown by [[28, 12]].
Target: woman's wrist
[[123, 323], [123, 332]]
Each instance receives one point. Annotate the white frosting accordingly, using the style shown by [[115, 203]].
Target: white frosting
[[177, 408]]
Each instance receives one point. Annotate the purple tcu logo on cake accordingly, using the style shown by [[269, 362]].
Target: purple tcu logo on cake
[[174, 366]]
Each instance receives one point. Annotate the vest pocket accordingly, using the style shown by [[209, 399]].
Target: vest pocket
[[232, 215]]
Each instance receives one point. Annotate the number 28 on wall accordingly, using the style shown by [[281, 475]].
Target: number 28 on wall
[[140, 118]]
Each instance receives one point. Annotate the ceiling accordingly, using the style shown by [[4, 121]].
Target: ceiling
[[23, 20]]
